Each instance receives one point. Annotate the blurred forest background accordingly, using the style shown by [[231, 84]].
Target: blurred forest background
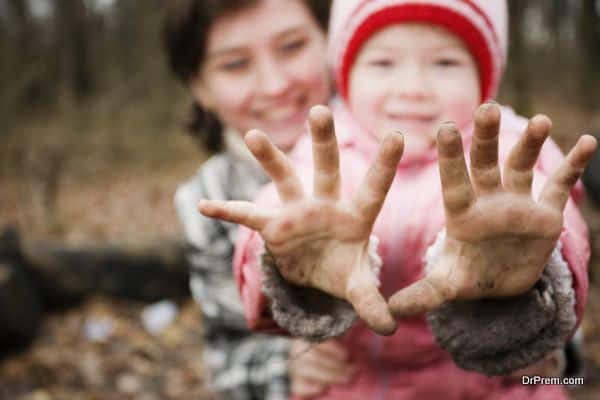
[[92, 148]]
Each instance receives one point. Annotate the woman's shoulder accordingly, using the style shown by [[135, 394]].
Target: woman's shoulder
[[215, 166], [208, 182], [221, 177]]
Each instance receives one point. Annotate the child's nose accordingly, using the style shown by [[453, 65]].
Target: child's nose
[[411, 82]]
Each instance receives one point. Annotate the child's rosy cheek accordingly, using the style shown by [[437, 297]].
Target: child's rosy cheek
[[461, 111]]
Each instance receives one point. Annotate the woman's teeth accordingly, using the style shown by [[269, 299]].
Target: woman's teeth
[[280, 113]]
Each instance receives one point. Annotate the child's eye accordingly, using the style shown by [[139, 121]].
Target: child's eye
[[447, 62], [293, 46], [234, 65], [381, 63]]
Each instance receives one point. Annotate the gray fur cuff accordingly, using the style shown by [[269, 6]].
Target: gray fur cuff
[[307, 312], [499, 336]]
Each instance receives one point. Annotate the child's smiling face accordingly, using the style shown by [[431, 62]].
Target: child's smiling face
[[410, 78]]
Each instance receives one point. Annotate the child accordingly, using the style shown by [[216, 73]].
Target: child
[[411, 65], [245, 70]]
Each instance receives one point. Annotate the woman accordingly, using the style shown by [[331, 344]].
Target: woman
[[247, 64]]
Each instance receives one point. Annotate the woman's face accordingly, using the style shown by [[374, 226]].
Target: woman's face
[[265, 66]]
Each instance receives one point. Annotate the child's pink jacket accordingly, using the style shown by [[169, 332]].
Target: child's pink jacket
[[410, 364]]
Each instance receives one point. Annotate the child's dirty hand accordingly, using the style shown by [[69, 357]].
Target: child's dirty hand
[[498, 238], [321, 240]]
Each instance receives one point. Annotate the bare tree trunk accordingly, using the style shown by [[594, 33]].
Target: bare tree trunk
[[19, 10], [557, 12], [75, 45], [128, 11], [19, 54], [590, 47], [518, 54]]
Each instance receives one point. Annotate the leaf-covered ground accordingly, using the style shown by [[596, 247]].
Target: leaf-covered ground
[[63, 363]]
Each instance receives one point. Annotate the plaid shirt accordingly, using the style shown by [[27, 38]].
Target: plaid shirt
[[243, 365]]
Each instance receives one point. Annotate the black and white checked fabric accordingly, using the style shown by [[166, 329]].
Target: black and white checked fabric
[[242, 365]]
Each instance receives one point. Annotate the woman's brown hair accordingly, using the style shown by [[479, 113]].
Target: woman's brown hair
[[186, 30]]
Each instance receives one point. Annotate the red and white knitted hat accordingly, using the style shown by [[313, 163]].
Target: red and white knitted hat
[[481, 24]]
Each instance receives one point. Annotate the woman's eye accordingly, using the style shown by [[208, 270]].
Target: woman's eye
[[235, 65], [293, 46]]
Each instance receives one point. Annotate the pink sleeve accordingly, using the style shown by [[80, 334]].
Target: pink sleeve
[[246, 269], [576, 252]]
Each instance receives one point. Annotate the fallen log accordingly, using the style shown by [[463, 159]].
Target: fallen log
[[39, 276], [61, 274], [20, 308], [150, 273]]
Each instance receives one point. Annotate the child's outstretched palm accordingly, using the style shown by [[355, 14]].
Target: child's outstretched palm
[[320, 240], [498, 239]]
